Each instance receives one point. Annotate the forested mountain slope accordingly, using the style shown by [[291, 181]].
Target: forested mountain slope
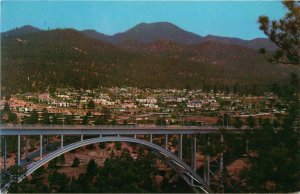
[[68, 58]]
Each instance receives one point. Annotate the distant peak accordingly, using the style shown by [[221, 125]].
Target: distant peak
[[21, 30], [155, 25], [90, 30], [28, 28]]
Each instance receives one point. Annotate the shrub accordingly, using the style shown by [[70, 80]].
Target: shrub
[[76, 162]]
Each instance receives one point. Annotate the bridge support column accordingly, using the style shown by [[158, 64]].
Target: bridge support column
[[134, 136], [208, 170], [26, 148], [204, 168], [46, 142], [41, 147], [19, 150], [247, 145], [61, 141], [194, 152], [208, 165], [5, 153], [81, 137], [151, 137], [100, 135], [166, 141], [180, 146], [222, 165]]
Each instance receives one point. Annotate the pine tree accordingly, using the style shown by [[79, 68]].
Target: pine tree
[[285, 33]]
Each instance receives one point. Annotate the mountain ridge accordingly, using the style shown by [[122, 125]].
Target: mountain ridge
[[21, 30], [68, 58], [151, 32]]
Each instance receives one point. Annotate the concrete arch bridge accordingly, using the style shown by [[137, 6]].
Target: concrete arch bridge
[[117, 134]]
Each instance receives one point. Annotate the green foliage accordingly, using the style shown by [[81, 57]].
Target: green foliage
[[68, 121], [226, 119], [58, 182], [40, 187], [91, 104], [125, 122], [106, 112], [118, 145], [237, 122], [22, 187], [52, 91], [39, 173], [15, 172], [11, 117], [32, 119], [76, 162], [92, 168], [43, 62], [274, 162], [102, 145], [62, 160], [54, 119], [7, 116], [177, 185], [53, 164], [46, 118], [119, 174], [236, 88], [90, 146], [161, 121], [136, 177], [84, 184], [85, 120], [113, 122], [100, 121], [251, 121], [6, 107], [285, 33]]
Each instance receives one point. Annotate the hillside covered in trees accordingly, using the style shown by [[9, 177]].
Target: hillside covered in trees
[[33, 61]]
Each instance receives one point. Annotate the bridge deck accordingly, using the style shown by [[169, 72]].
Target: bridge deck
[[109, 129]]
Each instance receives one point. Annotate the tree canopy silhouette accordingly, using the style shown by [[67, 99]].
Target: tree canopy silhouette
[[285, 33]]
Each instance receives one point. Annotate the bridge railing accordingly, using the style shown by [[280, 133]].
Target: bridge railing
[[17, 126]]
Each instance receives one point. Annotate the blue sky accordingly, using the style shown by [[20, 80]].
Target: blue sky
[[222, 18]]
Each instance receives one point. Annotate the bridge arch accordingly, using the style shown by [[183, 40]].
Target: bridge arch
[[185, 171]]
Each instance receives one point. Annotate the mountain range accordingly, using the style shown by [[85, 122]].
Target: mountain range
[[151, 32], [144, 56]]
